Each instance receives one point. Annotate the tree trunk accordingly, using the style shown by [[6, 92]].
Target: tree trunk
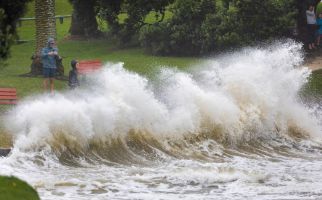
[[45, 28], [45, 22], [84, 19]]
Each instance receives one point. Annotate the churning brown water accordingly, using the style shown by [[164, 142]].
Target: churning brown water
[[233, 127]]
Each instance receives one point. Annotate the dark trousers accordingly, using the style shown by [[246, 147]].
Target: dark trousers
[[311, 32]]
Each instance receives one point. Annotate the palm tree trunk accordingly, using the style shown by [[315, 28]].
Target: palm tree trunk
[[45, 28], [45, 22]]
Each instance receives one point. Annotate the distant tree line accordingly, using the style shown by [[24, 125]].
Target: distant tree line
[[195, 27], [10, 12], [205, 26], [85, 12]]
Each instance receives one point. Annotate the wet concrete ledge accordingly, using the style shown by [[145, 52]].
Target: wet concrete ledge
[[4, 152]]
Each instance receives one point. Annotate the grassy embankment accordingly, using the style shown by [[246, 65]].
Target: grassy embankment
[[134, 59], [12, 188], [314, 86]]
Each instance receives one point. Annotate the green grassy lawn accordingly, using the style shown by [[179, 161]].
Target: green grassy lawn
[[134, 59], [19, 63], [12, 188], [314, 85]]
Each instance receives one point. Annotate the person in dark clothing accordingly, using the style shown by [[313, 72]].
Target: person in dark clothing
[[311, 27], [73, 75]]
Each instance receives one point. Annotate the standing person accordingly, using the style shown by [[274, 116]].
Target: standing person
[[49, 55], [72, 78], [319, 23], [311, 26]]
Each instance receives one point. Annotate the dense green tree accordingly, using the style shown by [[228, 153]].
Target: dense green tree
[[186, 25], [109, 11], [136, 11], [221, 30], [261, 20], [203, 26], [84, 18], [10, 12], [182, 34]]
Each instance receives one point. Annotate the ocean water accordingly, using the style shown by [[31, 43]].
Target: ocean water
[[232, 127]]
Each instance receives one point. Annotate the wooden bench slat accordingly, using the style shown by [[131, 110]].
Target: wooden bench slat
[[88, 66], [86, 71], [8, 90], [85, 68], [8, 97], [7, 93], [7, 102], [90, 61]]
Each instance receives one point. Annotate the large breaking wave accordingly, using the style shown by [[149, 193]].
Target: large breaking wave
[[239, 103]]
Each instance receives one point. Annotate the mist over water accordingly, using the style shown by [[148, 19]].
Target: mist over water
[[232, 127]]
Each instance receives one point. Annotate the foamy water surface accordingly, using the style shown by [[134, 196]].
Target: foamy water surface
[[232, 127]]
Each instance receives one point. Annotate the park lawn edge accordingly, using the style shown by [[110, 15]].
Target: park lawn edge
[[12, 188]]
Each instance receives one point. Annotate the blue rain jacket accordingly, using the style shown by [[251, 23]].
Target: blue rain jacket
[[48, 61]]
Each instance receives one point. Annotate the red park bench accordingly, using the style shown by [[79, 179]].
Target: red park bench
[[8, 96], [88, 66]]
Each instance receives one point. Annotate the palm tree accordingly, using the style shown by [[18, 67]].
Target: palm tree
[[45, 28], [45, 22]]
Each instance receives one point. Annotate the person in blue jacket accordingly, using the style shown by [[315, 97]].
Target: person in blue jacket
[[49, 56], [319, 23]]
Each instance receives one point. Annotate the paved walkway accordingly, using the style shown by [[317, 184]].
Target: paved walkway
[[314, 62]]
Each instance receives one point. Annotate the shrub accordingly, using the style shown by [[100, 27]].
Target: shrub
[[221, 31], [200, 26], [155, 39], [10, 11], [262, 20], [182, 34]]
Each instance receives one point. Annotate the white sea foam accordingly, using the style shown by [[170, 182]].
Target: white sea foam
[[245, 93], [231, 127]]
